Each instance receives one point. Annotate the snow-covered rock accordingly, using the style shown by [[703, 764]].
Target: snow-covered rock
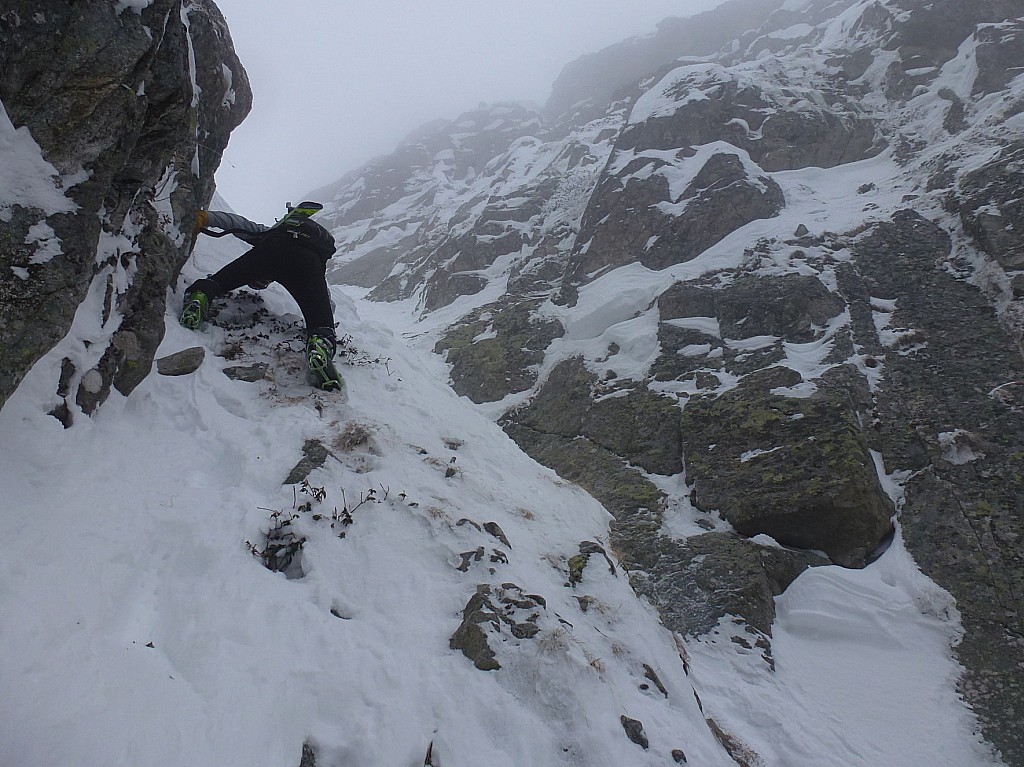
[[108, 145]]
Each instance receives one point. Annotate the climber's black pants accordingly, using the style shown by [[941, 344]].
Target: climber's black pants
[[297, 268]]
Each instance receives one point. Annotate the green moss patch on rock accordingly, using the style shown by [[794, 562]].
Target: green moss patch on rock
[[798, 470], [638, 425], [693, 584], [504, 361], [579, 562]]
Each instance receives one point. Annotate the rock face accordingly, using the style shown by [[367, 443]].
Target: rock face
[[964, 442], [814, 488], [127, 113], [992, 209], [676, 209], [498, 350], [399, 193], [760, 296], [640, 426]]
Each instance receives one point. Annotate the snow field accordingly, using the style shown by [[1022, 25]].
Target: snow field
[[138, 629], [862, 663]]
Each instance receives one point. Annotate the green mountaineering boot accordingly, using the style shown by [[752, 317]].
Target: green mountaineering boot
[[319, 353], [195, 309]]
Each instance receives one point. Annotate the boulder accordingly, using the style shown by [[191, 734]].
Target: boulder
[[791, 306], [796, 469], [697, 582], [248, 373], [495, 611], [314, 455], [181, 363]]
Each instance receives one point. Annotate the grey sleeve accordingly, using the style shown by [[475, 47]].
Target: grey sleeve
[[239, 226]]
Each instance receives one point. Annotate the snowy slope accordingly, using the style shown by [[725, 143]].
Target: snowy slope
[[140, 626], [130, 530], [139, 629]]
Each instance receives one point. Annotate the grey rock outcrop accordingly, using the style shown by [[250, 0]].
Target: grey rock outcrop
[[991, 206], [784, 128], [593, 444], [488, 369], [134, 135], [797, 469], [962, 515], [181, 363], [640, 426], [635, 216], [696, 582], [493, 612]]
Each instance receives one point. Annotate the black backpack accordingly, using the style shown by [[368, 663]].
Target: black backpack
[[310, 234]]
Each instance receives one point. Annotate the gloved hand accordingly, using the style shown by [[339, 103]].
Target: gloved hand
[[201, 218]]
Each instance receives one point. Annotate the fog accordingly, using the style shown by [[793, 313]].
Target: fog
[[338, 82]]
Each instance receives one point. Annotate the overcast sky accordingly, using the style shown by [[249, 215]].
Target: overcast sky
[[338, 82]]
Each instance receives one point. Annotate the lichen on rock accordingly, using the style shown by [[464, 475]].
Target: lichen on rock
[[493, 611], [497, 350], [796, 469]]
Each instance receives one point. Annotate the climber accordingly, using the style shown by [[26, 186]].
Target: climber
[[294, 252]]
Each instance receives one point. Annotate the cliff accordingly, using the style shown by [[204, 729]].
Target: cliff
[[125, 108]]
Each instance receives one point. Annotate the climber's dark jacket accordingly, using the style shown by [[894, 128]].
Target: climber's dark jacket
[[297, 259]]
